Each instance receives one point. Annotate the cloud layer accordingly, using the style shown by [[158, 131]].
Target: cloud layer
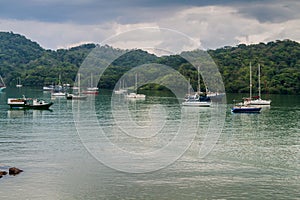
[[210, 24]]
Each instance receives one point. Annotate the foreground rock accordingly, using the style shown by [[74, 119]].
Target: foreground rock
[[14, 171], [2, 173]]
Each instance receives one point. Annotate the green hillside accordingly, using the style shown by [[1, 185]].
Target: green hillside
[[279, 60], [280, 66]]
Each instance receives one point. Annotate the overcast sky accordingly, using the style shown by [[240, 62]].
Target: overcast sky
[[209, 23]]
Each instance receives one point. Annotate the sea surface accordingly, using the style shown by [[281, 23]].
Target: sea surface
[[107, 147]]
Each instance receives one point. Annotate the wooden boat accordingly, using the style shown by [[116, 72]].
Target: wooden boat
[[28, 103]]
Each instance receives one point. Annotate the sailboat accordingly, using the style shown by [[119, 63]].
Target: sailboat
[[91, 89], [121, 89], [245, 107], [240, 108], [196, 100], [77, 96], [19, 83], [135, 95], [257, 100], [58, 90], [2, 84]]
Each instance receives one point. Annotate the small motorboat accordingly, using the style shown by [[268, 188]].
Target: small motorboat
[[28, 103]]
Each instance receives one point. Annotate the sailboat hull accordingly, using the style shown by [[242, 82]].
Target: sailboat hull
[[243, 109], [76, 97], [259, 102], [197, 103]]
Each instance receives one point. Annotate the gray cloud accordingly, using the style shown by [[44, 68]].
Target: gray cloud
[[213, 23], [126, 11], [275, 12]]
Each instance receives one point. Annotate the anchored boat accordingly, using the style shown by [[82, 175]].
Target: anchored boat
[[245, 109], [256, 100], [197, 101], [28, 103]]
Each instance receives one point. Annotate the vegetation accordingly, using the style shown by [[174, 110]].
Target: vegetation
[[280, 66]]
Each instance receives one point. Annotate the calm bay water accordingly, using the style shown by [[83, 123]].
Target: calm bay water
[[257, 156]]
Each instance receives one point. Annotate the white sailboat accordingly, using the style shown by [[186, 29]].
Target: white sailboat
[[135, 95], [92, 89], [196, 100], [2, 84], [121, 89], [256, 100], [58, 89], [77, 96], [19, 83]]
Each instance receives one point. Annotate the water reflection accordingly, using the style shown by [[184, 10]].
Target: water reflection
[[254, 152], [21, 113]]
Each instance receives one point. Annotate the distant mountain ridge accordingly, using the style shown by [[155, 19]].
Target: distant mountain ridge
[[21, 57]]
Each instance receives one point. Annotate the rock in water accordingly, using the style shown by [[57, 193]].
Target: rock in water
[[3, 173], [14, 171]]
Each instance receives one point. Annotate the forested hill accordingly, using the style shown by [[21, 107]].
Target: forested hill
[[280, 66], [279, 60]]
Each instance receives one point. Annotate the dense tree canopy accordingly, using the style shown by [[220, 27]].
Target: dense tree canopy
[[279, 61], [280, 66]]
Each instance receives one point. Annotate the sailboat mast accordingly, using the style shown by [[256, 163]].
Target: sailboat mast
[[91, 80], [198, 72], [2, 82], [189, 89], [78, 83], [136, 83], [250, 82], [259, 89], [59, 79]]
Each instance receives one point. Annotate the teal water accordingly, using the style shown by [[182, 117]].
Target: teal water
[[255, 157]]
